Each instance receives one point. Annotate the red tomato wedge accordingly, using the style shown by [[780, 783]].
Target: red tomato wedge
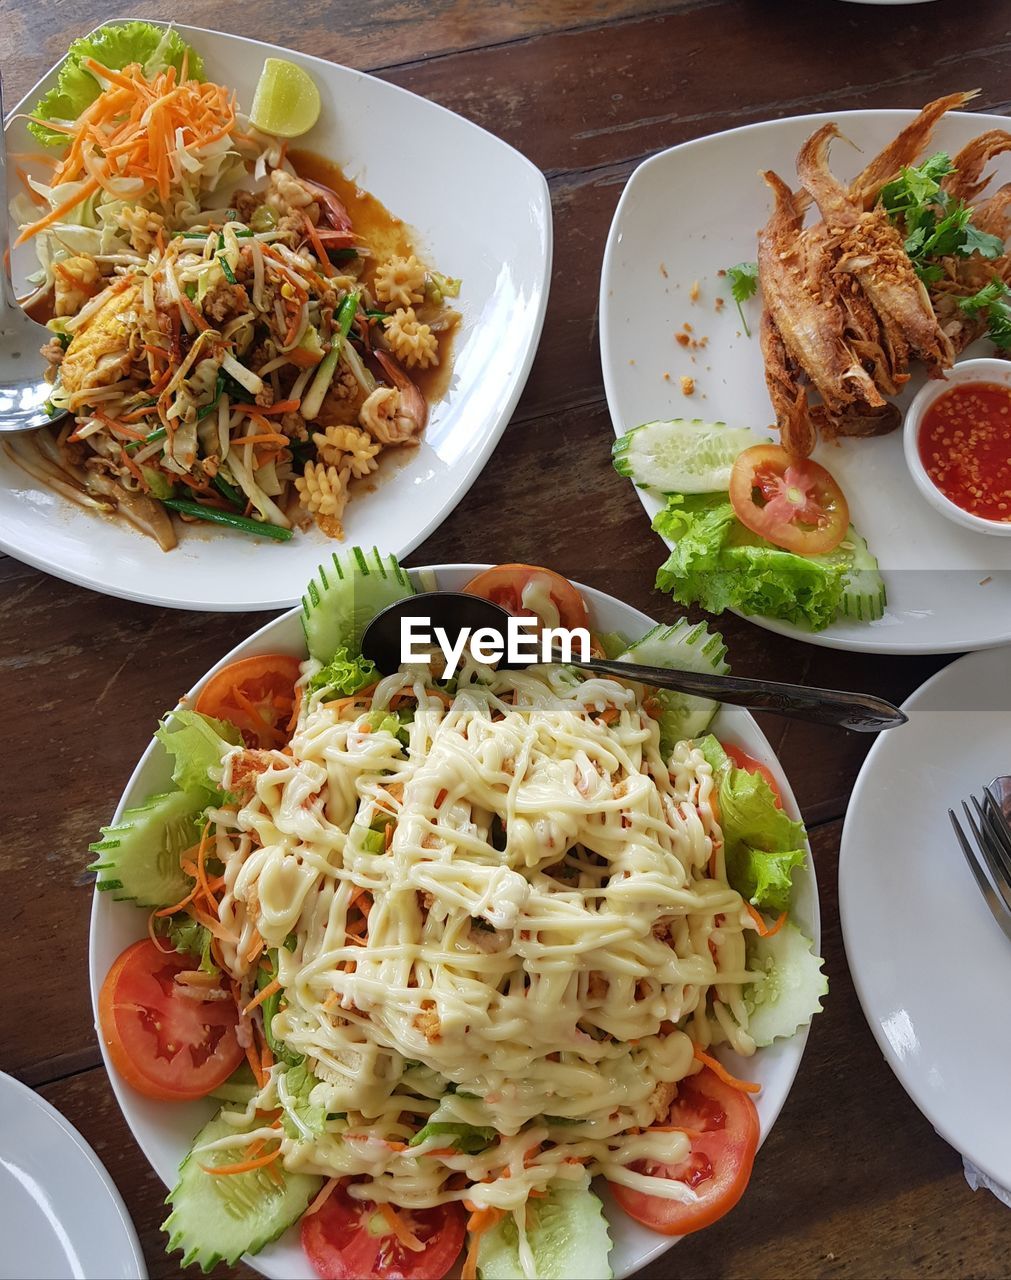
[[724, 1123], [257, 695], [527, 589], [742, 760], [792, 502], [164, 1043], [355, 1240]]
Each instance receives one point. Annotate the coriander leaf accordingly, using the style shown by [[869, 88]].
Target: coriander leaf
[[743, 285], [981, 242], [990, 293]]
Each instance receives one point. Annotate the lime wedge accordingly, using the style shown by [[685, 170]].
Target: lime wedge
[[286, 102]]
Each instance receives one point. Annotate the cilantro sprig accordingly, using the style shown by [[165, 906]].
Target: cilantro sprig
[[993, 301], [743, 285], [933, 223]]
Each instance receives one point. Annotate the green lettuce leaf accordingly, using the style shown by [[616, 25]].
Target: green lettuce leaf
[[763, 844], [196, 743], [301, 1119], [716, 563], [269, 1008], [114, 46], [470, 1138], [192, 939], [343, 675]]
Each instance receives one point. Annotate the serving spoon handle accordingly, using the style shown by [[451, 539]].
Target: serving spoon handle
[[860, 711]]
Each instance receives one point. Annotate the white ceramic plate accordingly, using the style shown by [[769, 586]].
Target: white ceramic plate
[[930, 964], [165, 1132], [481, 212], [693, 211], [60, 1214]]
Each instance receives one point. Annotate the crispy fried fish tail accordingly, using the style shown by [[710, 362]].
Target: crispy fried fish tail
[[905, 148], [967, 180], [789, 398]]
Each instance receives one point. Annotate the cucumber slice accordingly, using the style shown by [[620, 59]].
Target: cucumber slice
[[681, 455], [345, 596], [788, 995], [139, 857], [567, 1234], [219, 1219], [683, 647], [864, 598]]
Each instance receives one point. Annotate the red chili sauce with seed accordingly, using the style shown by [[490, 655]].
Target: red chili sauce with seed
[[965, 447]]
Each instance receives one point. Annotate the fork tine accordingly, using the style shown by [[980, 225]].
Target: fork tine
[[1000, 845], [995, 904], [999, 881]]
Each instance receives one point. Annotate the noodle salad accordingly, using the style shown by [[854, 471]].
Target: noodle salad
[[229, 346], [447, 950]]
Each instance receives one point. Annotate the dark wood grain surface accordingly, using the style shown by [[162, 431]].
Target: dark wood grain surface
[[852, 1182]]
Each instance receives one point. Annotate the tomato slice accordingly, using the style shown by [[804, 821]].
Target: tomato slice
[[352, 1240], [257, 695], [724, 1123], [164, 1043], [742, 760], [792, 502], [528, 590]]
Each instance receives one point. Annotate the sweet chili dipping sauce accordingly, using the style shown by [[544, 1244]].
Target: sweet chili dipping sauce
[[965, 447]]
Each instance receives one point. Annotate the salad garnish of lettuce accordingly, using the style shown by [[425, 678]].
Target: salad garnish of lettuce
[[763, 844], [115, 46], [720, 565]]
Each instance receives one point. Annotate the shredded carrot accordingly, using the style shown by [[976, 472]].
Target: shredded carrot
[[765, 930], [130, 129], [166, 951], [195, 315], [56, 214], [610, 715], [263, 994], [243, 1166], [316, 242], [326, 1192], [264, 437], [255, 948], [478, 1223], [721, 1073], [400, 1228], [253, 1058]]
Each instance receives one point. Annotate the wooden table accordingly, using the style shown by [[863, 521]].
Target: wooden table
[[853, 1182]]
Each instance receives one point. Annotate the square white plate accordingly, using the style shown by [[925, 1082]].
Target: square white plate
[[692, 211], [480, 210]]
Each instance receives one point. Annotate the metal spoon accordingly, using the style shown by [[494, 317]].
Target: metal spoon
[[23, 386], [455, 611]]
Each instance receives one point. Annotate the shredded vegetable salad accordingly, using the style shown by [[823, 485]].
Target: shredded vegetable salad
[[228, 346], [448, 950]]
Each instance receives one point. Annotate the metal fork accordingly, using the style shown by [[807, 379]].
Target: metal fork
[[990, 859]]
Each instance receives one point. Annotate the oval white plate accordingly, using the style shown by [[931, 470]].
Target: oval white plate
[[930, 964], [693, 211], [60, 1213], [164, 1132], [481, 212]]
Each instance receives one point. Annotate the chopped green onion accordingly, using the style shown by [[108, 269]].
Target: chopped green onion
[[229, 491], [242, 523], [158, 434], [229, 274], [312, 401]]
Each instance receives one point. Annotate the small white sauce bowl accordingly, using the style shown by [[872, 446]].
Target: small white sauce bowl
[[984, 370]]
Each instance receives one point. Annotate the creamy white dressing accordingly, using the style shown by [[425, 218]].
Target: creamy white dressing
[[551, 930]]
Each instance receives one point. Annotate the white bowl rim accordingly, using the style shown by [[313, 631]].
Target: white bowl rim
[[788, 1052], [975, 370]]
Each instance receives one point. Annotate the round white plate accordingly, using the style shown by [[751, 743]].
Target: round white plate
[[930, 964], [689, 213], [60, 1214], [164, 1132], [481, 212]]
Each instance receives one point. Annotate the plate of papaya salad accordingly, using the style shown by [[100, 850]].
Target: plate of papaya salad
[[502, 975], [265, 337]]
